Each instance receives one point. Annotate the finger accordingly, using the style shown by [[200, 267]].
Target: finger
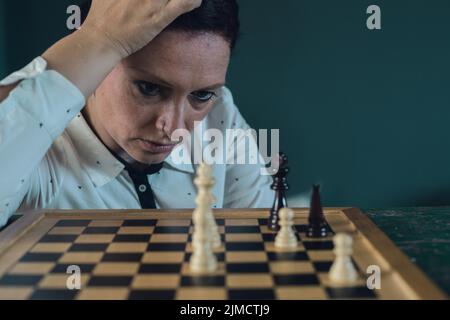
[[176, 8]]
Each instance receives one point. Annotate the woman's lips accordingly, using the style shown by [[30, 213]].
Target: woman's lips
[[154, 147]]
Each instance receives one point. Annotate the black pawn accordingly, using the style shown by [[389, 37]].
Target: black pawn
[[318, 226], [280, 186]]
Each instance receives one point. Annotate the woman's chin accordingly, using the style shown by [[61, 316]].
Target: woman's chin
[[151, 158]]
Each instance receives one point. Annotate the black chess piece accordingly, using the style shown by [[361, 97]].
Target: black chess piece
[[280, 186], [318, 226]]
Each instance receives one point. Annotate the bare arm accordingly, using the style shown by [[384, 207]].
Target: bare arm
[[4, 91]]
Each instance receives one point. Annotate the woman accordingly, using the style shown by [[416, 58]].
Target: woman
[[88, 125]]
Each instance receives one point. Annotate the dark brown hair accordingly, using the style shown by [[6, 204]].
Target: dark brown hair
[[216, 16]]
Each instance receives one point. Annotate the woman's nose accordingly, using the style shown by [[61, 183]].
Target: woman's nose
[[171, 118]]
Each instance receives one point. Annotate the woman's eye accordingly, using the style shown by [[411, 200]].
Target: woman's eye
[[203, 96], [147, 89]]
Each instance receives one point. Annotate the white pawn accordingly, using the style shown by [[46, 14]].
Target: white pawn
[[286, 238], [205, 182], [343, 271]]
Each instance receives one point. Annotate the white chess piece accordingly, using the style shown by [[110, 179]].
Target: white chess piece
[[286, 238], [343, 271], [205, 182], [203, 259]]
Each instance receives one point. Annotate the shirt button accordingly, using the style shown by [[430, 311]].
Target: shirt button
[[142, 188]]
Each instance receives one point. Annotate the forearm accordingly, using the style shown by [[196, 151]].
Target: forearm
[[83, 58], [4, 91]]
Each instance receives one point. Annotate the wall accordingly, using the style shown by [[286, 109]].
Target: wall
[[363, 112], [2, 41], [31, 27]]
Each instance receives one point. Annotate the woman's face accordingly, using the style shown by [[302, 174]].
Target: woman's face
[[168, 85]]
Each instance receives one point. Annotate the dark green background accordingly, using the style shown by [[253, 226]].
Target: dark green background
[[2, 39], [363, 112]]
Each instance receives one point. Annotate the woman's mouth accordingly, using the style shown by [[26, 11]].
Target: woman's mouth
[[155, 147]]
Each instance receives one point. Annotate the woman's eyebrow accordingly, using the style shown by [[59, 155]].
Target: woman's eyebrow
[[151, 75], [167, 84], [213, 87]]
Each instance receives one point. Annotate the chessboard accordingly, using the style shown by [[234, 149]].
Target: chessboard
[[145, 255]]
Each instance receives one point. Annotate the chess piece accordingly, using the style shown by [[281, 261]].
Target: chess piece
[[205, 182], [203, 259], [286, 237], [318, 226], [206, 234], [343, 271], [280, 186]]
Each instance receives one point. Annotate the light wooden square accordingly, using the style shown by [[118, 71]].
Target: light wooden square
[[66, 230], [51, 247], [201, 293], [321, 255], [116, 269], [243, 237], [106, 223], [245, 256], [249, 281], [241, 222], [59, 281], [81, 257], [173, 223], [169, 238], [95, 238], [103, 294], [35, 268], [136, 230], [15, 293], [301, 293], [291, 267], [160, 281], [163, 257], [127, 247]]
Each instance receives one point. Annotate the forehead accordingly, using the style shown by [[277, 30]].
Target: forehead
[[183, 59]]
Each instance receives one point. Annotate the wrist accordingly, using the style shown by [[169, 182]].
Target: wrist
[[84, 57], [94, 38], [106, 43]]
